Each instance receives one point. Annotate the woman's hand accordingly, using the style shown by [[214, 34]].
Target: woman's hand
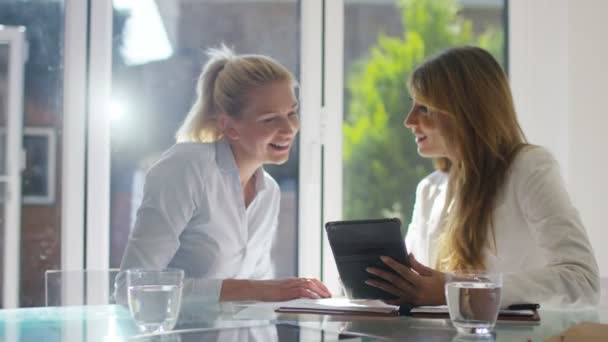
[[419, 285], [276, 290], [286, 289]]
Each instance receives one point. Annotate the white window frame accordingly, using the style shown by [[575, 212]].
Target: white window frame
[[320, 190], [15, 38], [73, 149], [309, 189], [74, 136], [331, 128], [98, 136], [86, 146]]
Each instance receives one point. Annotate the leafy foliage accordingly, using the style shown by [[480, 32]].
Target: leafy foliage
[[382, 167]]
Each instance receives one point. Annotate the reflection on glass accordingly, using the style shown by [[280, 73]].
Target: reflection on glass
[[144, 36], [155, 94], [266, 333], [384, 41]]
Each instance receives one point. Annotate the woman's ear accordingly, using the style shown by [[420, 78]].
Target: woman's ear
[[226, 126]]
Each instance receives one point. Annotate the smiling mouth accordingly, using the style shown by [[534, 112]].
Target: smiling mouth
[[420, 139], [280, 147]]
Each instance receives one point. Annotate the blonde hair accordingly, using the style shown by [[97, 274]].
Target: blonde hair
[[223, 87], [470, 89]]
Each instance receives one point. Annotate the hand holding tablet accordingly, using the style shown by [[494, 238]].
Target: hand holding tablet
[[359, 244]]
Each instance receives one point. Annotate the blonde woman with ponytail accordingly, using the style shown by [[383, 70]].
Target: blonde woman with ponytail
[[209, 207], [494, 203]]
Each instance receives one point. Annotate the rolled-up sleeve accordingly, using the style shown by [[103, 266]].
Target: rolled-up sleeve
[[571, 274]]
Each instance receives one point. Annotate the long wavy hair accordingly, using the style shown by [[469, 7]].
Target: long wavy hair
[[468, 86]]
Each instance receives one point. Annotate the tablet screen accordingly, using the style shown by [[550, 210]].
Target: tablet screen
[[359, 244]]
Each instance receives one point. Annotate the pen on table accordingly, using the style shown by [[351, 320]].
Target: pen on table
[[524, 306]]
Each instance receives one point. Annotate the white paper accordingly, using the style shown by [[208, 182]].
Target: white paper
[[341, 304], [444, 309]]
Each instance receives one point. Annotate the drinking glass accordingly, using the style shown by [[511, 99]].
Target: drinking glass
[[154, 298], [473, 301]]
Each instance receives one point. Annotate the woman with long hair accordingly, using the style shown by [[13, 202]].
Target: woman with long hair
[[495, 203], [209, 207]]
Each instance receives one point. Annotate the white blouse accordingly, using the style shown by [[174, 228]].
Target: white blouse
[[193, 217], [541, 245]]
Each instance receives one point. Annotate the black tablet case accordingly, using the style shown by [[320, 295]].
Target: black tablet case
[[359, 244]]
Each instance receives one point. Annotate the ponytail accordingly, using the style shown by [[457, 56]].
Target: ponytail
[[222, 87]]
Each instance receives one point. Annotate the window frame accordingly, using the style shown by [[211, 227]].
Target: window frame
[[14, 38]]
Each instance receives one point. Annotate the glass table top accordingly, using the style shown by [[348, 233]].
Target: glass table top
[[248, 321]]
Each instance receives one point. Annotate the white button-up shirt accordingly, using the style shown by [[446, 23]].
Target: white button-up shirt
[[193, 217], [541, 245]]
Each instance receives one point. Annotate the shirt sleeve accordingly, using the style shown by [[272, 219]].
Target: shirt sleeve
[[169, 202], [570, 276]]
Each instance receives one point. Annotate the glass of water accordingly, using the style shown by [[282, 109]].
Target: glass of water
[[473, 301], [155, 298]]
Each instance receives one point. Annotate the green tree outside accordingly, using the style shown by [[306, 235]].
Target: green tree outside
[[381, 165]]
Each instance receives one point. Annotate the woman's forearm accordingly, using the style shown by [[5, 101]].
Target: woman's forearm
[[272, 290], [237, 289]]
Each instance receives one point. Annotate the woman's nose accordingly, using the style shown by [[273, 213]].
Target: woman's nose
[[409, 120], [291, 126]]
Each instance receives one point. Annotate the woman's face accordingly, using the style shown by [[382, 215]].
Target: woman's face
[[425, 125], [265, 130]]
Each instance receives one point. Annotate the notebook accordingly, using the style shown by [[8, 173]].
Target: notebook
[[504, 315], [339, 306], [373, 307]]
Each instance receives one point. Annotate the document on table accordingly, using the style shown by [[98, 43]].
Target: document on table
[[509, 315], [339, 306]]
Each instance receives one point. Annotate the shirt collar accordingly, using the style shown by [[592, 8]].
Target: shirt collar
[[260, 179], [227, 164], [443, 184], [225, 157]]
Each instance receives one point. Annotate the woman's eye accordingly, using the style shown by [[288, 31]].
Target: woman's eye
[[267, 120], [423, 109]]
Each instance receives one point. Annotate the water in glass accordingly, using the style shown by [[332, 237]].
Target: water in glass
[[474, 303], [155, 307], [154, 298]]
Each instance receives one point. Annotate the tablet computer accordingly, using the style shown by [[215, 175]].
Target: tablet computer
[[359, 244]]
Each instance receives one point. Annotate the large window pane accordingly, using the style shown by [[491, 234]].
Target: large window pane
[[384, 41], [43, 121], [158, 56]]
